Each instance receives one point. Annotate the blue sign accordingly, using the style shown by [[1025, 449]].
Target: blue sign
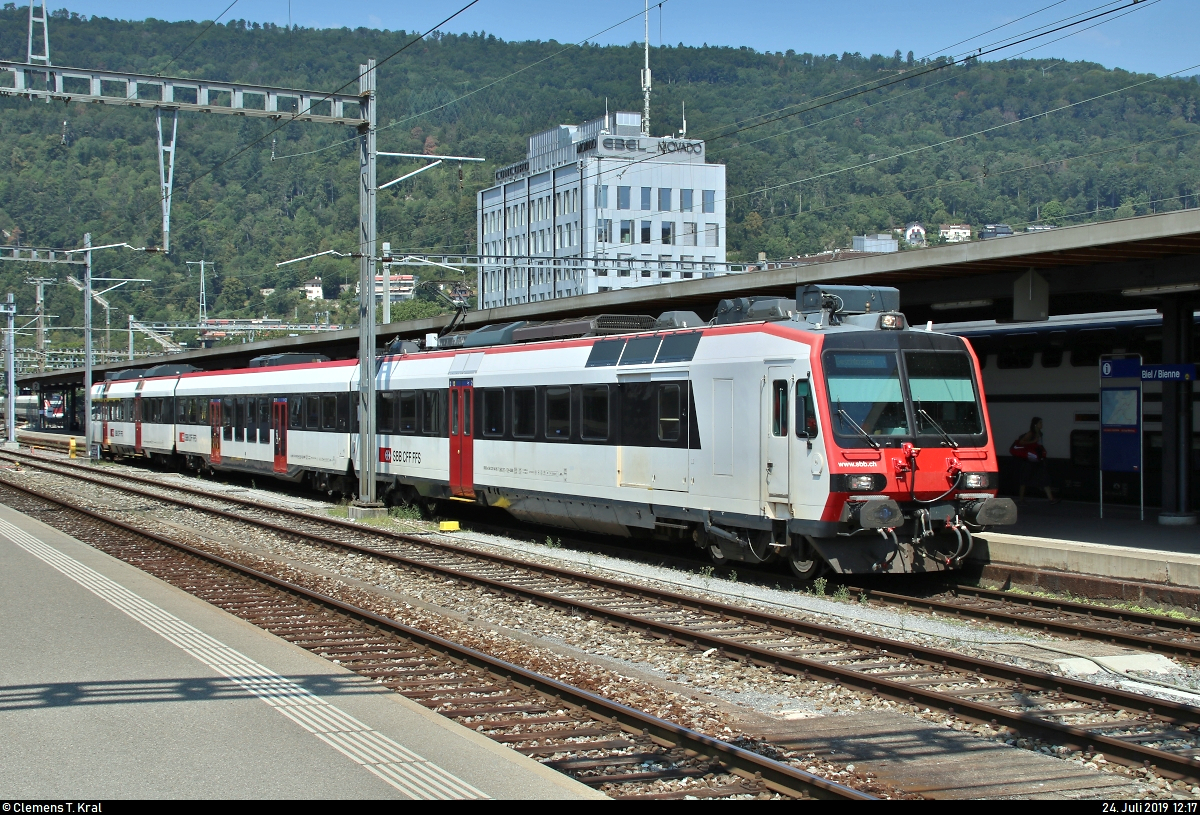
[[1169, 373], [1130, 368], [1121, 429]]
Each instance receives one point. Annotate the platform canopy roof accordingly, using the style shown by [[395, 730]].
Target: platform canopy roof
[[1108, 266]]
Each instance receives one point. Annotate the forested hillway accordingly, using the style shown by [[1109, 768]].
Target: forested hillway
[[73, 169]]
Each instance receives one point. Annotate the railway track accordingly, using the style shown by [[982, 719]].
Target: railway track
[[604, 744], [1129, 728]]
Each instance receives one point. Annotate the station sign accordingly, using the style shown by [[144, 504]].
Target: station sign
[[1169, 373]]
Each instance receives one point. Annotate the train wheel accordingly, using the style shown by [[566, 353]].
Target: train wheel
[[804, 561], [718, 557]]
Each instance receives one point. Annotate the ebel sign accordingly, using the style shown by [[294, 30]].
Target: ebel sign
[[664, 146]]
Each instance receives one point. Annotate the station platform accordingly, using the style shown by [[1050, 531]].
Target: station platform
[[114, 684], [1068, 546]]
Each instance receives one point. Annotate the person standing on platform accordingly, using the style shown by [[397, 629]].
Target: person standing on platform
[[1032, 455]]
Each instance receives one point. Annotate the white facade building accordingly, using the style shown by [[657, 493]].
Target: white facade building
[[875, 243], [313, 289], [598, 207], [955, 233]]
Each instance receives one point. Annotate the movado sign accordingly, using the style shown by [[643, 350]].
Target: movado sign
[[676, 146], [661, 146]]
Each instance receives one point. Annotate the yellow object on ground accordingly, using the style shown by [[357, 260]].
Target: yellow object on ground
[[71, 445], [448, 526]]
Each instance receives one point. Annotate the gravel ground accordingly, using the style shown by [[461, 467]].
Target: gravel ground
[[668, 681]]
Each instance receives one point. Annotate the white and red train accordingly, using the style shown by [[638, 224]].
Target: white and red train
[[822, 430]]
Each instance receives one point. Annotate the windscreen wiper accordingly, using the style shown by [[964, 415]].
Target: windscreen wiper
[[938, 428], [855, 425]]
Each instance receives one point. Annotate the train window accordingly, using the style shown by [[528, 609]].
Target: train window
[[1089, 344], [227, 412], [239, 422], [385, 412], [943, 392], [806, 412], [1009, 358], [558, 413], [679, 347], [433, 418], [312, 412], [864, 390], [466, 413], [408, 412], [640, 350], [251, 419], [524, 412], [328, 412], [594, 410], [779, 407], [343, 413], [181, 409], [203, 410], [296, 412], [669, 412], [605, 353], [264, 419], [493, 412], [1052, 357], [455, 399], [1085, 448]]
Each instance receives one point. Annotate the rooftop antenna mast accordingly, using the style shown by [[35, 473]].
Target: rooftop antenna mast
[[646, 79]]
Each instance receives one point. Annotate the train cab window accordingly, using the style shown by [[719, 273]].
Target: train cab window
[[343, 413], [408, 412], [329, 412], [806, 411], [524, 412], [295, 412], [385, 412], [669, 411], [640, 350], [943, 393], [864, 390], [312, 412], [594, 409], [493, 412], [1052, 357], [433, 412], [264, 419], [558, 413], [779, 407]]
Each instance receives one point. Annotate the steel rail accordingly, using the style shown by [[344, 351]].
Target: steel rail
[[1014, 617], [778, 775], [1023, 679]]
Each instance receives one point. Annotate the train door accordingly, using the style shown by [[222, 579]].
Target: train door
[[777, 433], [279, 423], [462, 441], [809, 481], [137, 423], [214, 422]]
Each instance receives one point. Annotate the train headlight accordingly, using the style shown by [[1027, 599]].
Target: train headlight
[[891, 322], [974, 481], [861, 483]]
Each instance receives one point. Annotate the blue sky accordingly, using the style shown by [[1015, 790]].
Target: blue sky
[[1159, 37]]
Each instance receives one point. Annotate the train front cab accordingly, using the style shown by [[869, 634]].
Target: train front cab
[[911, 471]]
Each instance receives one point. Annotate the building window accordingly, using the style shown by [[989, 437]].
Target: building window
[[604, 230], [626, 231], [646, 231], [602, 197], [646, 198], [688, 236], [664, 265], [623, 197], [558, 237], [685, 200], [712, 234], [710, 200], [668, 233], [664, 199]]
